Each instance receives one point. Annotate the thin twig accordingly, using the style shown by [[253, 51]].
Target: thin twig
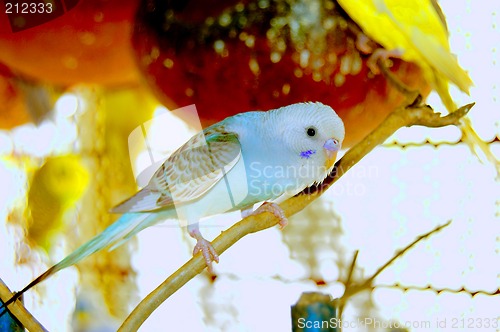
[[347, 284], [441, 290], [368, 283], [404, 116], [21, 313]]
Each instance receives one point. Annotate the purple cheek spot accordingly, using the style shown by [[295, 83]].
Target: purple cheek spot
[[307, 154]]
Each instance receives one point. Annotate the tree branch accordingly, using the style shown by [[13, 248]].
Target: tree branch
[[413, 114], [352, 290], [18, 310]]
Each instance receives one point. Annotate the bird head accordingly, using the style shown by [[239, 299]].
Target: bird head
[[315, 134]]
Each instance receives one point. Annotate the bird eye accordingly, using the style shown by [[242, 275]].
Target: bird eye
[[311, 132]]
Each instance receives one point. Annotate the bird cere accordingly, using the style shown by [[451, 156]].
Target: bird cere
[[256, 146]]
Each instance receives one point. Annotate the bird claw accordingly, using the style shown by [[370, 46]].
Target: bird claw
[[203, 246], [381, 55], [364, 44], [208, 252], [377, 54], [274, 209]]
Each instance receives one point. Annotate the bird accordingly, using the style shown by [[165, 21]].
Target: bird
[[54, 189], [416, 31], [245, 159]]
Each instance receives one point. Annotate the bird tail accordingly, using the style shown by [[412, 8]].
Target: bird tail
[[442, 87], [144, 200], [477, 146], [121, 229]]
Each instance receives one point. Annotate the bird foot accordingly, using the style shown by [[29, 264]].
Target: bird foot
[[378, 55], [208, 252], [203, 246], [364, 44], [382, 56], [274, 209]]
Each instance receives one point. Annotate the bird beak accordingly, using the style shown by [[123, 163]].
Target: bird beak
[[332, 146]]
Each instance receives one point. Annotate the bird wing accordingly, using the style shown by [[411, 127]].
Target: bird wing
[[421, 23], [189, 172], [415, 27]]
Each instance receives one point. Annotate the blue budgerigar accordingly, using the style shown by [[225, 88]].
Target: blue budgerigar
[[245, 159]]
